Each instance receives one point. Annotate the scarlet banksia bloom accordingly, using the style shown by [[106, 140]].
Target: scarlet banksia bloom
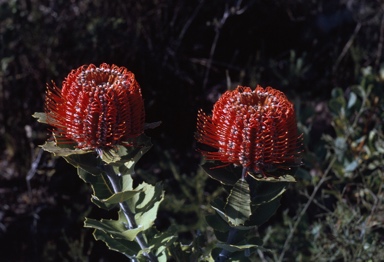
[[255, 129], [97, 107]]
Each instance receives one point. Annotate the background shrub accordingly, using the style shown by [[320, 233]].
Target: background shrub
[[325, 55]]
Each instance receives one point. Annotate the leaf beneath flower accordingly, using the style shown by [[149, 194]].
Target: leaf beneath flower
[[41, 117], [51, 147], [238, 207]]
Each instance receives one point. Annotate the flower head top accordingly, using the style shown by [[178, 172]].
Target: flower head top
[[255, 129], [97, 107]]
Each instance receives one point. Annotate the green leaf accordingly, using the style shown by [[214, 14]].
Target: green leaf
[[115, 228], [262, 213], [129, 248], [100, 187], [234, 248], [146, 204], [238, 206], [128, 154], [337, 104], [218, 205], [352, 100], [121, 197], [263, 192], [50, 146], [217, 223], [279, 178], [127, 192], [88, 162], [161, 241], [235, 235], [239, 250], [227, 175], [41, 117], [190, 252]]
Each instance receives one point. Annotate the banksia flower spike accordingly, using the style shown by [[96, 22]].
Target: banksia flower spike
[[255, 129], [97, 107]]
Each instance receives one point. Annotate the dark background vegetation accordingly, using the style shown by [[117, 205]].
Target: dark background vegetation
[[184, 55]]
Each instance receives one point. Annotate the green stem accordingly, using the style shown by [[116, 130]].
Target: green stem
[[116, 185]]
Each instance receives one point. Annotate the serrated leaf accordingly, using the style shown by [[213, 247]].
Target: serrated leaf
[[217, 223], [218, 206], [41, 117], [121, 197], [50, 146], [181, 252], [129, 154], [262, 213], [234, 248], [127, 183], [227, 175], [100, 187], [89, 162], [147, 203], [161, 241], [238, 206], [238, 250], [280, 178], [129, 248], [263, 192], [116, 228]]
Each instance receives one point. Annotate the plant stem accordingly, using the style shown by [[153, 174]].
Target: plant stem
[[223, 256], [116, 185]]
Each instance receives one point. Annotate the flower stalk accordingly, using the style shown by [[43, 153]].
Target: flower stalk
[[116, 186], [251, 145], [97, 121], [225, 254]]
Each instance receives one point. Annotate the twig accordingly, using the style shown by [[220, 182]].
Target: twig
[[229, 11], [32, 171], [380, 45], [172, 50], [309, 202], [347, 46], [115, 182]]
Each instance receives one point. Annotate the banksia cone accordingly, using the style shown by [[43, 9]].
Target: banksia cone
[[255, 129], [97, 107]]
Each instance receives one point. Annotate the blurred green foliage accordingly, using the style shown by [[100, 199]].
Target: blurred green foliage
[[325, 55], [346, 222]]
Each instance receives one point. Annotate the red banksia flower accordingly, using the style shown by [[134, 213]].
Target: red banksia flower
[[255, 129], [97, 107]]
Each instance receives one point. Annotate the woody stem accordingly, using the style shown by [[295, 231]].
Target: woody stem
[[116, 185]]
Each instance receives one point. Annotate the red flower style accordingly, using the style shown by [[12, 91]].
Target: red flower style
[[97, 107], [255, 129]]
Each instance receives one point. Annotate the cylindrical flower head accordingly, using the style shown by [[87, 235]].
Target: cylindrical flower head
[[255, 129], [97, 107]]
